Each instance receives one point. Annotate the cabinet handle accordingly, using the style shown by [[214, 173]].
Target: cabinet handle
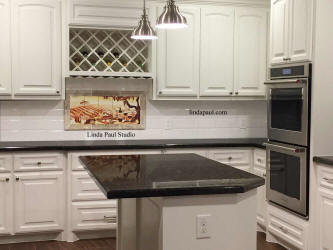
[[236, 93], [284, 230], [39, 163], [110, 219], [330, 181]]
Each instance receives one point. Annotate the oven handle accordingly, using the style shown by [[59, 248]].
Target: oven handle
[[295, 150], [284, 81]]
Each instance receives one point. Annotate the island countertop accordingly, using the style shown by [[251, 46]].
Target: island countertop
[[135, 176]]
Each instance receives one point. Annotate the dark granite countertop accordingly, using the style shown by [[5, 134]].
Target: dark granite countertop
[[129, 144], [134, 176], [324, 159]]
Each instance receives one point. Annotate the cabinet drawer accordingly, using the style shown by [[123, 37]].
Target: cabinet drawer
[[37, 162], [325, 177], [259, 159], [84, 187], [287, 226], [96, 215], [6, 163], [232, 157]]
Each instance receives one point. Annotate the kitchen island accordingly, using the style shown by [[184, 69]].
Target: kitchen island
[[178, 202]]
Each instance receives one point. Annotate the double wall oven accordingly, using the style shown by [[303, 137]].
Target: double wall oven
[[289, 99]]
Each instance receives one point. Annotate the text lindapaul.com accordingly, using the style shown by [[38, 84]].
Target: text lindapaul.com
[[199, 112]]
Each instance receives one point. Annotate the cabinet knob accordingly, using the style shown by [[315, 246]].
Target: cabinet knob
[[230, 93], [39, 163], [160, 92], [58, 92], [236, 93], [17, 178], [229, 158], [7, 179]]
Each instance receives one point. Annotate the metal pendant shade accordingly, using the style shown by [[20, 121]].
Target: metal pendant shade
[[171, 18], [144, 31]]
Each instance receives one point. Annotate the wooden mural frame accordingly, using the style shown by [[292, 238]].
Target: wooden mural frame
[[139, 97]]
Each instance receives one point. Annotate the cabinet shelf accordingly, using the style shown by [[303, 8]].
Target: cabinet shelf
[[104, 52]]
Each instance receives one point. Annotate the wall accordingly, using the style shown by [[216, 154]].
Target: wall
[[44, 120]]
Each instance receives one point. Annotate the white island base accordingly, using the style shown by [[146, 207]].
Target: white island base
[[170, 223]]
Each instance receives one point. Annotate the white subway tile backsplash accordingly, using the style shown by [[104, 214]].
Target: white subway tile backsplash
[[44, 120]]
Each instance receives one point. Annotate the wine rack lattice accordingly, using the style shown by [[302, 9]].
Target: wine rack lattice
[[99, 50]]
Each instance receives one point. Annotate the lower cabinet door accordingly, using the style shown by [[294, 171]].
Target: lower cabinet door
[[6, 204], [39, 201], [94, 215], [261, 207], [325, 213]]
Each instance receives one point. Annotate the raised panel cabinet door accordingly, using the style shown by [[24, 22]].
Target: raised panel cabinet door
[[325, 213], [6, 204], [36, 47], [300, 30], [39, 201], [5, 58], [279, 31], [178, 57], [217, 51], [250, 51]]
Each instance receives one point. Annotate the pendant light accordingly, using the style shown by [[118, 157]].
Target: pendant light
[[144, 31], [171, 18]]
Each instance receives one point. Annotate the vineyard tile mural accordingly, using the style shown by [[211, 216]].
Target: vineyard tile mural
[[101, 110]]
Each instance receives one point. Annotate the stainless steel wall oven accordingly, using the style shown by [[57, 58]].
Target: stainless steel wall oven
[[289, 100]]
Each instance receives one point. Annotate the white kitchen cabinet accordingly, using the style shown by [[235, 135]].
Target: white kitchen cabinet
[[110, 13], [250, 51], [324, 208], [238, 158], [300, 30], [216, 52], [6, 203], [178, 57], [36, 47], [291, 31], [85, 188], [6, 163], [259, 168], [286, 228], [5, 58], [39, 201], [38, 161], [95, 215], [279, 31]]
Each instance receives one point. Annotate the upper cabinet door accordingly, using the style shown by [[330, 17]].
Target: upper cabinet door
[[279, 31], [36, 47], [300, 30], [217, 47], [178, 57], [250, 51], [5, 58]]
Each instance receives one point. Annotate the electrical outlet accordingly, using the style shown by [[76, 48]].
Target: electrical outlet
[[203, 226]]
